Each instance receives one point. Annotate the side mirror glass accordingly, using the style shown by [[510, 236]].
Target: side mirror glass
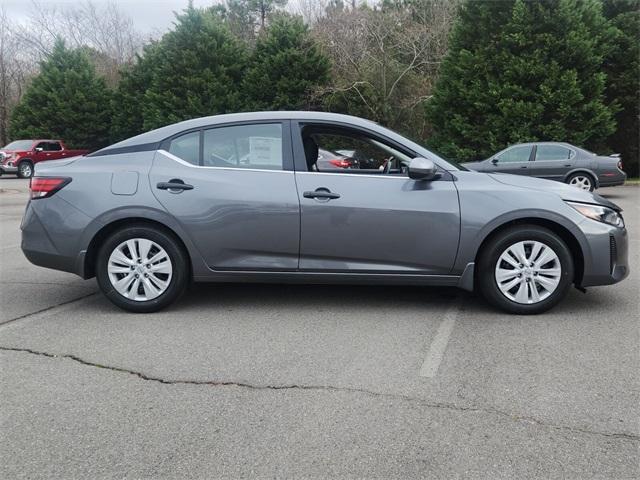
[[422, 169], [39, 149]]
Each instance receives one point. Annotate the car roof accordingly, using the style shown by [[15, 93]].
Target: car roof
[[155, 136]]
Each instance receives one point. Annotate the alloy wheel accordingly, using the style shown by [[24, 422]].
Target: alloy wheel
[[26, 170], [528, 272], [582, 182], [140, 269]]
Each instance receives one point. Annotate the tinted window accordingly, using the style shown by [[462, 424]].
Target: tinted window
[[351, 152], [552, 152], [53, 146], [42, 145], [187, 147], [515, 154], [244, 146]]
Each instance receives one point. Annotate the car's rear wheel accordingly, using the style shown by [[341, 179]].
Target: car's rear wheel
[[142, 268], [25, 169], [583, 181], [526, 269]]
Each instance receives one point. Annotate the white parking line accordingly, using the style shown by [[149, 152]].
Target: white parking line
[[440, 341]]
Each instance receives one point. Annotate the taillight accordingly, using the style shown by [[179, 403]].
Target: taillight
[[43, 187], [340, 163]]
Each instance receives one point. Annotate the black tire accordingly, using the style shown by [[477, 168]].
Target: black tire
[[587, 176], [24, 172], [179, 261], [498, 243]]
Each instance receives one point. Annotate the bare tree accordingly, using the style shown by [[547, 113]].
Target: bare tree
[[385, 60], [14, 71], [106, 32]]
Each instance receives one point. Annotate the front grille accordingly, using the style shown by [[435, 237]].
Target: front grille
[[613, 252]]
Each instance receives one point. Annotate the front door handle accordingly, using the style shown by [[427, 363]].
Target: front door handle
[[175, 185], [321, 192]]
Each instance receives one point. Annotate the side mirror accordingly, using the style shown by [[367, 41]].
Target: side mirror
[[39, 149], [422, 169], [494, 161]]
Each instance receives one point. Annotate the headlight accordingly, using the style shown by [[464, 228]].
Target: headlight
[[599, 213]]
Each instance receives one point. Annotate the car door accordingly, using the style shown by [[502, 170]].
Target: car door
[[514, 160], [40, 152], [54, 151], [552, 161], [232, 188], [373, 222]]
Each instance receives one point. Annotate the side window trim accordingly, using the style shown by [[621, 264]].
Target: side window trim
[[287, 153]]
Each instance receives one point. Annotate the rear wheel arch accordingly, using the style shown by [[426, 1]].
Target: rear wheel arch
[[106, 231], [565, 234]]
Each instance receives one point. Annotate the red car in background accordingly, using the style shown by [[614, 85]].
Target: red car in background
[[19, 157]]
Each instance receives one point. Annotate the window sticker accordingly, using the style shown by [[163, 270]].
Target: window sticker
[[265, 151]]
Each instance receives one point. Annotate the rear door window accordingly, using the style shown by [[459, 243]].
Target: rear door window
[[187, 147], [257, 146], [552, 152]]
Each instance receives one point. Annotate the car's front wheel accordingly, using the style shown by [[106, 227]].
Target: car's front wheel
[[526, 269], [142, 268], [25, 169]]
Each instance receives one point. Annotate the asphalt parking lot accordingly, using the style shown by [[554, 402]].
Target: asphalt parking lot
[[313, 381]]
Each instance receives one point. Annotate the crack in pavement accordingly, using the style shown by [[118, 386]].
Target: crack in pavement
[[330, 388], [46, 309]]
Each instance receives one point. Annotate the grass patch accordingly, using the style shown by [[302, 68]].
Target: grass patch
[[632, 181]]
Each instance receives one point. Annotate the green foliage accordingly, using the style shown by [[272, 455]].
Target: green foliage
[[285, 66], [128, 99], [67, 100], [622, 66], [523, 71], [197, 71]]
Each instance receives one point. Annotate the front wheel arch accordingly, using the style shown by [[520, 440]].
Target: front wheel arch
[[561, 231], [106, 231]]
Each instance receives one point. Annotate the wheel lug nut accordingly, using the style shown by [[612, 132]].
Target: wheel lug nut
[[521, 265], [146, 275], [137, 276]]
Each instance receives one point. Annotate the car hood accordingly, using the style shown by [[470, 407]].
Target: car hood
[[566, 192]]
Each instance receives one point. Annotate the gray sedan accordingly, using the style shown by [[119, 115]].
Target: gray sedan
[[557, 161], [240, 198]]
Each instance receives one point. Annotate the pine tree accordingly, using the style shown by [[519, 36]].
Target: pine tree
[[128, 99], [66, 100], [197, 71], [285, 66], [622, 66], [523, 71]]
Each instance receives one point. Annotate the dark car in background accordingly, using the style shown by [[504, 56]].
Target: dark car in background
[[557, 161]]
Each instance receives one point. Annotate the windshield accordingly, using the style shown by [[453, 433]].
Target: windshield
[[19, 145]]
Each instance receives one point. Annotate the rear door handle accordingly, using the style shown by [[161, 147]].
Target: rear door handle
[[321, 193], [175, 185]]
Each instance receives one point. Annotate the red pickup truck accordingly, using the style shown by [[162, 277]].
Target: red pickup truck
[[19, 157]]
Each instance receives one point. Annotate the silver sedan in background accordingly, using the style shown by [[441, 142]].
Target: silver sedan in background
[[557, 161]]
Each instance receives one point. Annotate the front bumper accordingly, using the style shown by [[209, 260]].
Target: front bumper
[[607, 261], [8, 168]]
